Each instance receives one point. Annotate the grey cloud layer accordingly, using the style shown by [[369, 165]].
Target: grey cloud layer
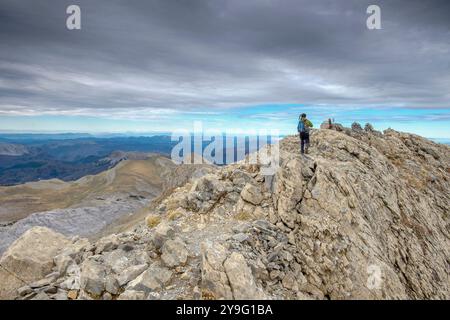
[[167, 56]]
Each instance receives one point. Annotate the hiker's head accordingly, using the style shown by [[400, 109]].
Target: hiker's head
[[303, 116]]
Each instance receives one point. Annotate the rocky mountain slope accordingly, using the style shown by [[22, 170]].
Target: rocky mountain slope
[[363, 216], [87, 206]]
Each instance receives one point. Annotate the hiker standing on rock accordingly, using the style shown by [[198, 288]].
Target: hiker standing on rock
[[303, 129]]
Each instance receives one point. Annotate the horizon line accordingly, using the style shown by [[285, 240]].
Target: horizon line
[[160, 133]]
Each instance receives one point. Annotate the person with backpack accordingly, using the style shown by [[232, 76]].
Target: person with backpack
[[303, 128]]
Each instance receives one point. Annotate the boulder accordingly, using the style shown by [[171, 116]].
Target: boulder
[[174, 253], [23, 291], [28, 259], [289, 191], [210, 187], [240, 178], [241, 279], [214, 280], [154, 278], [111, 284], [244, 210], [107, 243], [72, 281], [93, 276], [205, 192], [131, 273], [117, 260], [163, 232], [71, 254], [62, 262], [252, 194]]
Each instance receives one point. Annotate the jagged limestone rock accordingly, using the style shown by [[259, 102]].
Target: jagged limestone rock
[[154, 278], [174, 253], [131, 273], [62, 262], [214, 278], [289, 190], [241, 279], [363, 216], [205, 192], [93, 276], [117, 260], [28, 259], [111, 284], [163, 232], [226, 275], [107, 243], [252, 194]]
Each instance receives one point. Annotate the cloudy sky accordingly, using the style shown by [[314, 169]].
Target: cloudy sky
[[158, 65]]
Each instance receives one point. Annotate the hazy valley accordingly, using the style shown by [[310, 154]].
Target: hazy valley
[[28, 157]]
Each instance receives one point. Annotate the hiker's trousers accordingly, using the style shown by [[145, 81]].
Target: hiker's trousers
[[304, 140]]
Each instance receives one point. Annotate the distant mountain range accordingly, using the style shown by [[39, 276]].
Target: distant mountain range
[[33, 157], [42, 136], [25, 158]]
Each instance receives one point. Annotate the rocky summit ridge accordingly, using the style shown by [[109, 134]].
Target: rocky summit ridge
[[365, 215]]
